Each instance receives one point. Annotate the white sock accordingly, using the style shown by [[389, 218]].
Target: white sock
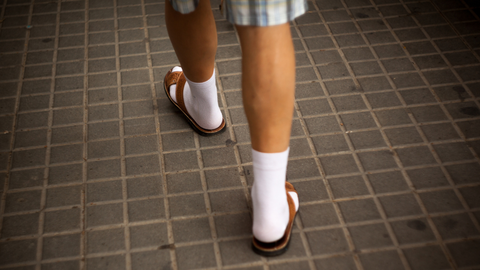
[[269, 198], [201, 101]]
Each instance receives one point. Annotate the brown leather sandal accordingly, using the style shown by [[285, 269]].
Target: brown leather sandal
[[178, 78], [280, 246]]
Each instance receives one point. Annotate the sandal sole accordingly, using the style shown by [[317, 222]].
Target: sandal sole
[[190, 121]]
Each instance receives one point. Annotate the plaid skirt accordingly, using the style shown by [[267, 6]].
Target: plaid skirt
[[252, 12]]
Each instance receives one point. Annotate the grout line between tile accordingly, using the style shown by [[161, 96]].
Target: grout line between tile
[[48, 146], [128, 256], [208, 206], [429, 145], [83, 211], [236, 150], [336, 207], [14, 120], [171, 240]]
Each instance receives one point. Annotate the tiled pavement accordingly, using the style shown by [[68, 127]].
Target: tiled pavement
[[98, 170]]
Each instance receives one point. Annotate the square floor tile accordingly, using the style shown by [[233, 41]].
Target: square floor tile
[[414, 156], [349, 103], [470, 129], [427, 177], [356, 121], [184, 182], [313, 190], [140, 126], [228, 201], [337, 262], [430, 257], [233, 225], [146, 210], [359, 210], [63, 196], [222, 178], [412, 231], [104, 191], [66, 153], [377, 160], [28, 158], [314, 106], [327, 241], [348, 186], [393, 117], [103, 149], [317, 215], [319, 125], [105, 240], [141, 145], [417, 96], [237, 252], [403, 136], [367, 139], [326, 144], [453, 151], [464, 253], [106, 263], [65, 174], [19, 251], [464, 173], [370, 236], [73, 265], [302, 265], [68, 116], [26, 178], [20, 225], [388, 182], [191, 230], [455, 226], [400, 205], [181, 161], [149, 235], [441, 201], [144, 187], [383, 100], [106, 214], [219, 157], [61, 246], [196, 256], [381, 260], [339, 164], [151, 259], [142, 165], [187, 205], [103, 169], [62, 220]]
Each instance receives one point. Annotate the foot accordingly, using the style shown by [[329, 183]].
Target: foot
[[280, 246], [271, 211], [200, 101], [271, 218]]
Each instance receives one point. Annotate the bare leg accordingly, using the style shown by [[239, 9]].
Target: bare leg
[[268, 85], [194, 38], [268, 88]]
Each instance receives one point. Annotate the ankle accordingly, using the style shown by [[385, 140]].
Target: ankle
[[202, 102]]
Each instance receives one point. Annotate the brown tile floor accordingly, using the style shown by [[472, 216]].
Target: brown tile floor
[[99, 171]]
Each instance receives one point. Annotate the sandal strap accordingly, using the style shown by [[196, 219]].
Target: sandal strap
[[289, 187], [172, 78], [177, 78], [179, 92]]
